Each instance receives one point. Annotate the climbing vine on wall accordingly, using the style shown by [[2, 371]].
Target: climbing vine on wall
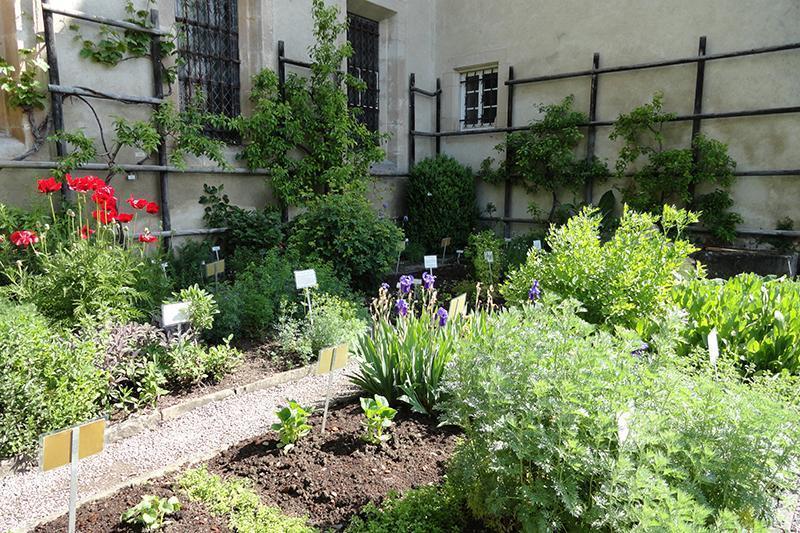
[[306, 134], [669, 175]]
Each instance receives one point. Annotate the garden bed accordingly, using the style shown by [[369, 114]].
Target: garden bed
[[328, 478]]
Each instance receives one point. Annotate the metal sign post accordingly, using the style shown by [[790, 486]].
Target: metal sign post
[[68, 446], [401, 246], [331, 359]]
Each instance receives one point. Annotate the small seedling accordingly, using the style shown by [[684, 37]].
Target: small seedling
[[292, 426], [151, 512], [379, 417]]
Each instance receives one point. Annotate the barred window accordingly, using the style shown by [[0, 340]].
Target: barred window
[[478, 98], [208, 48], [364, 38]]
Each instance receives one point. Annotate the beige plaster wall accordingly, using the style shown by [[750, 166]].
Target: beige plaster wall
[[540, 37]]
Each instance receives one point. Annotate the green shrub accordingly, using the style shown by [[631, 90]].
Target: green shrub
[[406, 362], [616, 281], [346, 232], [90, 281], [236, 500], [334, 321], [247, 228], [428, 509], [49, 378], [264, 285], [229, 320], [478, 244], [568, 429], [757, 319], [440, 199], [517, 250], [185, 265], [202, 306], [190, 362]]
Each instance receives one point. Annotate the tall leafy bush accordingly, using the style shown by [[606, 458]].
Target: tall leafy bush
[[575, 430], [440, 199], [617, 281]]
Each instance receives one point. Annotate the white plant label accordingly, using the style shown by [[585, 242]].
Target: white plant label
[[713, 347], [488, 256], [431, 261], [174, 314], [537, 244], [215, 248], [623, 426], [304, 279]]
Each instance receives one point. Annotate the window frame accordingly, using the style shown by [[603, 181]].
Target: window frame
[[481, 72]]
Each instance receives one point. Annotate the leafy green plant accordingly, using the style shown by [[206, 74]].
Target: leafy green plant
[[202, 306], [189, 362], [151, 513], [187, 131], [49, 378], [757, 319], [475, 252], [346, 232], [406, 362], [617, 281], [517, 249], [568, 428], [221, 359], [669, 175], [543, 157], [235, 499], [335, 321], [292, 426], [23, 89], [379, 418], [310, 115], [429, 509], [440, 198]]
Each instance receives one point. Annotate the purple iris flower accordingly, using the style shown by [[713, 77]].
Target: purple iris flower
[[442, 314], [405, 284], [639, 352], [428, 280], [402, 307], [385, 286], [534, 293]]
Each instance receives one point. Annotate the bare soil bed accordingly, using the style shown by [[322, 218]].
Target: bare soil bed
[[327, 478]]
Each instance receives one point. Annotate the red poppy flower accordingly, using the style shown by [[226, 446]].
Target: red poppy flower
[[49, 185], [104, 197], [93, 183], [124, 217], [24, 238], [137, 203], [147, 238], [85, 183], [105, 217], [76, 184], [152, 208], [86, 232]]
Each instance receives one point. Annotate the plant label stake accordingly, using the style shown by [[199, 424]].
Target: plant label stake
[[537, 244], [164, 269], [401, 246], [305, 279], [445, 244], [508, 241], [215, 249], [431, 262], [458, 306], [488, 256], [459, 253], [68, 446], [175, 314], [713, 347], [215, 269], [331, 359]]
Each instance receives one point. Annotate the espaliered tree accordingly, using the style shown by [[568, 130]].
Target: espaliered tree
[[543, 156], [668, 175], [304, 132]]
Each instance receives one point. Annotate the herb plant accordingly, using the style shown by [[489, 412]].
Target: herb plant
[[379, 418], [151, 513], [202, 306], [292, 426], [478, 245]]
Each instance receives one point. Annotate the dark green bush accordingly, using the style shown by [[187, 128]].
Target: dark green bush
[[186, 263], [478, 244], [49, 378], [346, 232], [441, 202], [517, 250], [572, 430]]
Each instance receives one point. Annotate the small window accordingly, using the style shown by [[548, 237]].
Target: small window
[[478, 98], [208, 47], [363, 64]]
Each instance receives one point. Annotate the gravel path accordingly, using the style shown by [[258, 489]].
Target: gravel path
[[29, 497]]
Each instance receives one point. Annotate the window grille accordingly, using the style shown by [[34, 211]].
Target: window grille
[[478, 98], [208, 48], [363, 36]]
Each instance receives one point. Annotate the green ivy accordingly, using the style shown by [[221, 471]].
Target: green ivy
[[23, 89], [306, 135]]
